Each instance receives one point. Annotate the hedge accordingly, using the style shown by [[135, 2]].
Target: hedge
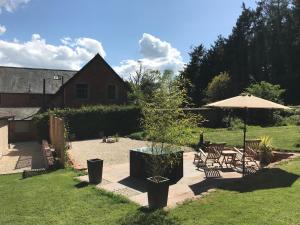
[[87, 122]]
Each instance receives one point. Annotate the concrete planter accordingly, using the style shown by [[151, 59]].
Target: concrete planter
[[140, 168]]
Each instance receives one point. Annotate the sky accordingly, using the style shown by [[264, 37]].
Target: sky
[[66, 34]]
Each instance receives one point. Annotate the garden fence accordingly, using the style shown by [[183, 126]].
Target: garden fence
[[58, 137]]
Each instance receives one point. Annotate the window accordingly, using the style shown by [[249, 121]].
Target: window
[[111, 92], [82, 91]]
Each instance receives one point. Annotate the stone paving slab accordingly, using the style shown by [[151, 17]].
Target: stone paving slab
[[193, 185], [21, 156]]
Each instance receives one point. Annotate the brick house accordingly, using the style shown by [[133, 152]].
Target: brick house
[[95, 83], [25, 91]]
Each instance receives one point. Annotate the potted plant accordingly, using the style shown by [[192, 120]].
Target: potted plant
[[265, 148], [168, 126]]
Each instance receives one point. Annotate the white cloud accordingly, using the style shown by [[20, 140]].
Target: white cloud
[[156, 54], [71, 54], [11, 5], [2, 29]]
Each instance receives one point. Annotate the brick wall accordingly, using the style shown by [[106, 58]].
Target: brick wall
[[22, 99], [98, 77]]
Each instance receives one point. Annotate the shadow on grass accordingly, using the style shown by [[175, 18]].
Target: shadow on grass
[[82, 184], [145, 216], [265, 179]]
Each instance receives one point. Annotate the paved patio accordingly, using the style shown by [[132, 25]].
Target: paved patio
[[193, 185], [21, 156]]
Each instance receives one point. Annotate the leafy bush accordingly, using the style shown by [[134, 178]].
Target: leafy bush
[[233, 123], [141, 135], [266, 149], [88, 121], [219, 87], [267, 91], [289, 120]]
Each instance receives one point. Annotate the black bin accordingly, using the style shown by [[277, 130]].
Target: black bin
[[95, 168]]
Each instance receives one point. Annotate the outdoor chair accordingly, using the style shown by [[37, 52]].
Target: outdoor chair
[[252, 150], [238, 160], [209, 158], [217, 146], [250, 156]]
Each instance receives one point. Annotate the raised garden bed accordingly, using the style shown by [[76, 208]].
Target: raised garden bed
[[140, 167]]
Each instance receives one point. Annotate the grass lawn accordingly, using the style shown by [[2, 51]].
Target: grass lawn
[[271, 197], [285, 137], [54, 199]]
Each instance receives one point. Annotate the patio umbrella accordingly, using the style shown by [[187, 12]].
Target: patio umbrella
[[246, 101]]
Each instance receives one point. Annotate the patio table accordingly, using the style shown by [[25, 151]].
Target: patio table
[[228, 157]]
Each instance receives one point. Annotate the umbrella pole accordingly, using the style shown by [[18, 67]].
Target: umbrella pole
[[245, 130]]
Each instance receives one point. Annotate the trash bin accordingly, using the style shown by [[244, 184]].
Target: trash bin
[[95, 168]]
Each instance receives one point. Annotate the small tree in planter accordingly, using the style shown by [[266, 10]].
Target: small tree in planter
[[168, 127], [266, 149]]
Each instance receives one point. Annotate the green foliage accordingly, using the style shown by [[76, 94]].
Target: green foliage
[[267, 91], [264, 46], [288, 120], [141, 135], [142, 83], [158, 217], [265, 148], [88, 121], [233, 123], [219, 87], [165, 122]]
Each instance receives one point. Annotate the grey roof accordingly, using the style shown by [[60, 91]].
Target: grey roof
[[30, 80], [5, 115], [20, 113]]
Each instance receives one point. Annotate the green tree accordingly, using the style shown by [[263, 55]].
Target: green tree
[[142, 84], [219, 87], [267, 91], [165, 122], [264, 46]]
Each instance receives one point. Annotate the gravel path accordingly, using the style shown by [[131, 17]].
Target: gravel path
[[111, 153]]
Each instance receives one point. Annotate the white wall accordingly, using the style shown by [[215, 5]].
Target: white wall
[[3, 136]]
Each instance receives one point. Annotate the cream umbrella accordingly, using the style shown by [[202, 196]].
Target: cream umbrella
[[246, 101]]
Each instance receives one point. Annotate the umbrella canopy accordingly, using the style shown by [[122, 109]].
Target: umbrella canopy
[[247, 101]]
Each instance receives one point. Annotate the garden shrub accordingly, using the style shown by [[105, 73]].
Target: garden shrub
[[88, 121], [141, 135], [266, 148], [233, 123]]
